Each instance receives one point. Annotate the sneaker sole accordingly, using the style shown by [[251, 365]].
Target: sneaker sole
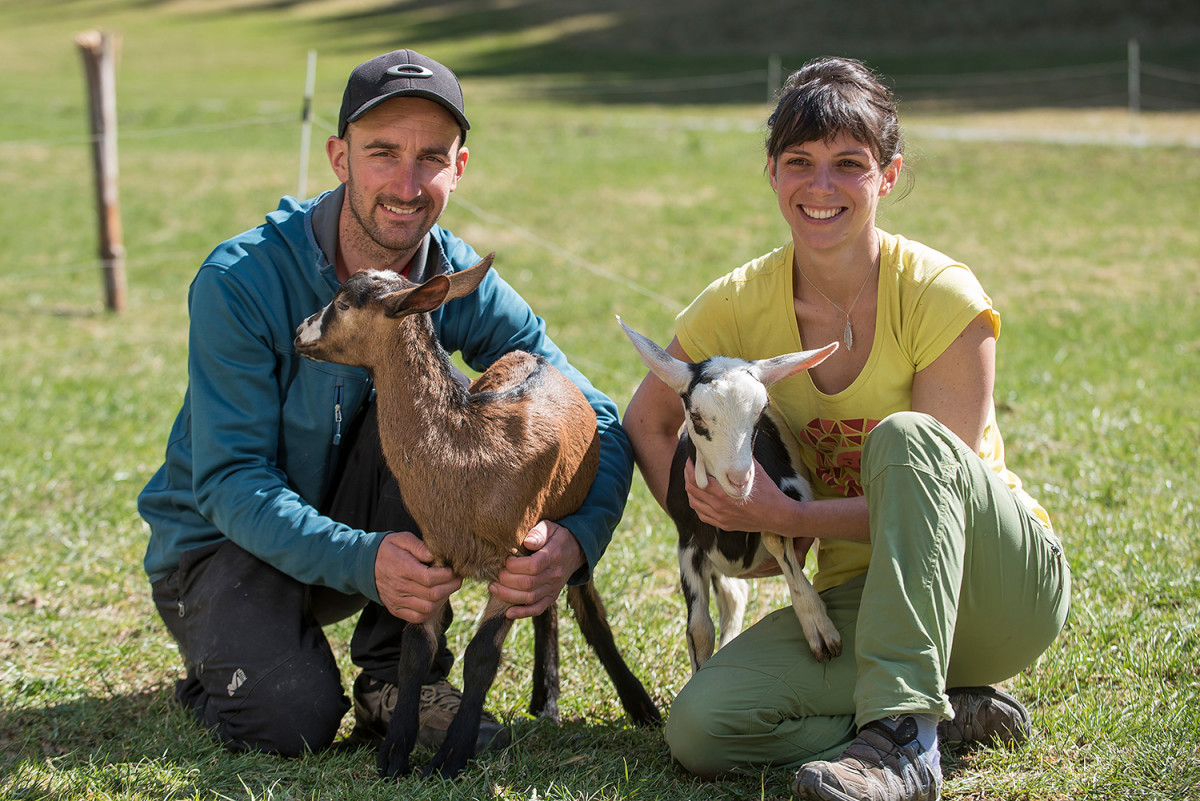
[[811, 787]]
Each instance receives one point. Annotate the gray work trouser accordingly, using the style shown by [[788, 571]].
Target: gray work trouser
[[261, 675]]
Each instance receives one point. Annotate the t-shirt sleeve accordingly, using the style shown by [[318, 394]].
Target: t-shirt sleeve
[[708, 326], [942, 310]]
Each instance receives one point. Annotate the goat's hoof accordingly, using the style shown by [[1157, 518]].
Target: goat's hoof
[[392, 762], [825, 645], [830, 649], [443, 769], [647, 716], [394, 774]]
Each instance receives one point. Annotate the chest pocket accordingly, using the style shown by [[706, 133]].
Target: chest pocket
[[319, 402]]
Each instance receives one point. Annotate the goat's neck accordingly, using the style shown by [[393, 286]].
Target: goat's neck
[[417, 392]]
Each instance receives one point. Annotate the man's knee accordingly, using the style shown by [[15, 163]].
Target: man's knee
[[295, 707]]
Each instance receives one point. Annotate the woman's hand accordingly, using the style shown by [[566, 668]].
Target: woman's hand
[[766, 509]]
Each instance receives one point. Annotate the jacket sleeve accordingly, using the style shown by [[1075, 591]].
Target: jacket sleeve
[[236, 407], [494, 320]]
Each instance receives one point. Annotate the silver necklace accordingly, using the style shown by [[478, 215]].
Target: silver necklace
[[848, 331]]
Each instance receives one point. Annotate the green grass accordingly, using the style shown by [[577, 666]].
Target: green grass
[[594, 210]]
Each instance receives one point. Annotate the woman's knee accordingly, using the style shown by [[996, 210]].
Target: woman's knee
[[891, 439], [694, 731], [912, 440]]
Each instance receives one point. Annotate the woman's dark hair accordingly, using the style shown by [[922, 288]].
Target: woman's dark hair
[[829, 96]]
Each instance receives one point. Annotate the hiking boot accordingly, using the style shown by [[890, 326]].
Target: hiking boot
[[374, 701], [881, 764], [984, 715]]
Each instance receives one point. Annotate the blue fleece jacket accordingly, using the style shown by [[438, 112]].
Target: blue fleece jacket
[[253, 449]]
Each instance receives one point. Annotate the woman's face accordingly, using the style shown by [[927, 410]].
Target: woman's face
[[829, 190]]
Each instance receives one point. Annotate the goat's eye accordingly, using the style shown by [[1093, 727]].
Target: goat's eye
[[342, 305]]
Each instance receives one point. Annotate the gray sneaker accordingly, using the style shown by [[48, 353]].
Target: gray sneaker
[[374, 701], [984, 715], [881, 764]]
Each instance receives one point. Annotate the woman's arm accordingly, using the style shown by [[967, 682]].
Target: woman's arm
[[769, 509], [652, 421], [956, 388]]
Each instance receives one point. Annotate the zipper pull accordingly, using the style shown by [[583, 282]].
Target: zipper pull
[[337, 413]]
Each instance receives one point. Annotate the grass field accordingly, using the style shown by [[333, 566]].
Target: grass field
[[1090, 252]]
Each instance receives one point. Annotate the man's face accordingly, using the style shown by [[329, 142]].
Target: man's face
[[400, 162]]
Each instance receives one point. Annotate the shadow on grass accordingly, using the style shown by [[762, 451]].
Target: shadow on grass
[[712, 52], [141, 744], [145, 745], [997, 56]]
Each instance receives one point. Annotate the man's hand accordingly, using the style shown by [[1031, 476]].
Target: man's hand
[[408, 585], [532, 583]]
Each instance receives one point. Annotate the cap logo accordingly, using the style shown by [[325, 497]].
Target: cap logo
[[409, 71]]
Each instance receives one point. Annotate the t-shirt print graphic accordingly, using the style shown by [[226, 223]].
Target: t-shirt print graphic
[[838, 444]]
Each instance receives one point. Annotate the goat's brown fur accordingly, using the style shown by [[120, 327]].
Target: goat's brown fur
[[478, 467]]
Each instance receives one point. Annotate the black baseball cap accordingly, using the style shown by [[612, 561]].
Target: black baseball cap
[[401, 73]]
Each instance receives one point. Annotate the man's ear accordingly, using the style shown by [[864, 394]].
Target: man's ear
[[460, 165], [338, 152]]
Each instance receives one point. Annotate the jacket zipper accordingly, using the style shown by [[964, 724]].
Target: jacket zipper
[[337, 412]]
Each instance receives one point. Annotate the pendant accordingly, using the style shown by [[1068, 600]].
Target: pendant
[[848, 335]]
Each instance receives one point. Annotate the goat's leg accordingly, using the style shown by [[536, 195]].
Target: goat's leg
[[543, 700], [732, 596], [823, 638], [418, 647], [593, 622], [480, 662], [695, 572]]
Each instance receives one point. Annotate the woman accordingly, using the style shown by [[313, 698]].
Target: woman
[[942, 575]]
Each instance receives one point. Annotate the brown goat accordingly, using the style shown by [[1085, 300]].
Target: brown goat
[[478, 468]]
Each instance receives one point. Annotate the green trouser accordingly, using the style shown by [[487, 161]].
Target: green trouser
[[965, 588]]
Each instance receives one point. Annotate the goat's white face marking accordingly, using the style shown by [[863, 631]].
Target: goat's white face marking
[[724, 404], [727, 409], [310, 330], [359, 290]]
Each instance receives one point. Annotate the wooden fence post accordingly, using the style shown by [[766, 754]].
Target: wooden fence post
[[99, 61]]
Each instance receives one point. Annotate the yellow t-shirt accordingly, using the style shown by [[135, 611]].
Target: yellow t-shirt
[[926, 300]]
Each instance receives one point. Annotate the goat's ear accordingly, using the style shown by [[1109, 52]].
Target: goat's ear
[[464, 282], [414, 300], [769, 371], [671, 371]]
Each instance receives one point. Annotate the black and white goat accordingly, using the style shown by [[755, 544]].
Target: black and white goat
[[729, 424], [478, 468]]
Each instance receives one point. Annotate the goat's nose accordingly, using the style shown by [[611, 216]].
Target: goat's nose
[[739, 480]]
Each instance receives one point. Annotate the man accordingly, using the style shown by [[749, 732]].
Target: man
[[274, 513]]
